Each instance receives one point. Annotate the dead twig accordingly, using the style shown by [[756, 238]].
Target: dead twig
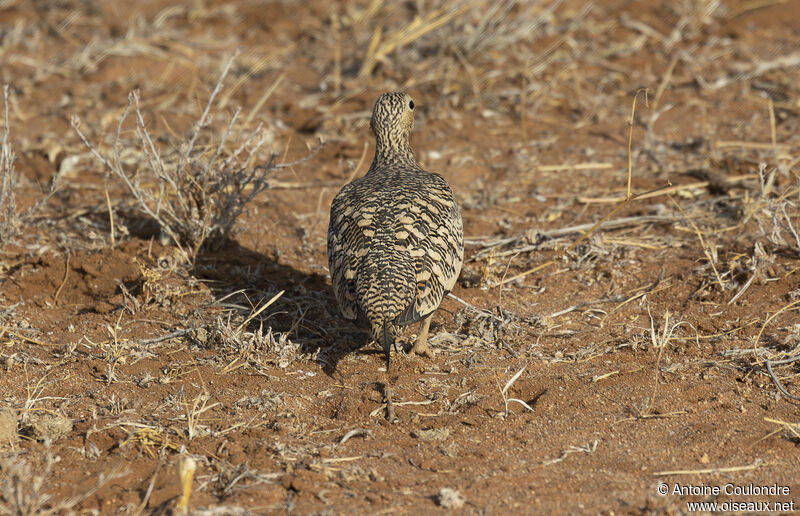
[[356, 432], [630, 138], [732, 469], [775, 380], [64, 281], [586, 448]]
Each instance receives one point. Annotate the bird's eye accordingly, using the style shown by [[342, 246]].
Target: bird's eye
[[411, 105]]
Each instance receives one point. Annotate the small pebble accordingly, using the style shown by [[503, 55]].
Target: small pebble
[[450, 498]]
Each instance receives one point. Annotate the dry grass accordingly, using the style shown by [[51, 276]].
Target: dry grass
[[504, 394], [454, 34]]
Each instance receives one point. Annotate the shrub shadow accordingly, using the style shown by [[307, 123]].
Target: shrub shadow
[[307, 311]]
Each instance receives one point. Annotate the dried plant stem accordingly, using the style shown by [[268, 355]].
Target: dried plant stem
[[667, 190], [4, 329], [630, 137], [203, 119], [337, 54], [665, 81], [732, 469], [772, 126], [64, 281], [110, 215], [360, 162], [267, 94], [785, 425]]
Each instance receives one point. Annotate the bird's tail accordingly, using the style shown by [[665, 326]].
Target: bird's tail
[[383, 290], [387, 340]]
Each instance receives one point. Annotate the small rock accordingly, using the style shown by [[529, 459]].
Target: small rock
[[8, 426], [431, 434], [450, 498], [50, 427]]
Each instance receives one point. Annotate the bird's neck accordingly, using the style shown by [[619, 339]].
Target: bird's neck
[[393, 153]]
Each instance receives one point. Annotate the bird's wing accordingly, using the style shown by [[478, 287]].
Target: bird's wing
[[434, 238], [343, 245]]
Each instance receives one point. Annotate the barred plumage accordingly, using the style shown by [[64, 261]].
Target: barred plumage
[[395, 240]]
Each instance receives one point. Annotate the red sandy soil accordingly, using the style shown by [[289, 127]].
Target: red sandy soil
[[633, 361]]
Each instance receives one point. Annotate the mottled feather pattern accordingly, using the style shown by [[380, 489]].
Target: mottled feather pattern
[[395, 240]]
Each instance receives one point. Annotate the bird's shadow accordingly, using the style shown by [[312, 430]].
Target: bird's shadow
[[307, 311]]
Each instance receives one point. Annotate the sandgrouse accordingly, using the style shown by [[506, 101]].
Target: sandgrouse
[[395, 240]]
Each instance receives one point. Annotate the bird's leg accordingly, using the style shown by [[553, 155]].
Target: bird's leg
[[420, 346]]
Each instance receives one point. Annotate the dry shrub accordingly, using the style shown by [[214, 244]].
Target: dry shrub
[[12, 221], [22, 490], [194, 189], [774, 210]]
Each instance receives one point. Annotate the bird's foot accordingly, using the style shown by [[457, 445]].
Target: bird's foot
[[421, 348]]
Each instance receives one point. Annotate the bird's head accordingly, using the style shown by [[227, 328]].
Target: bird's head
[[393, 118]]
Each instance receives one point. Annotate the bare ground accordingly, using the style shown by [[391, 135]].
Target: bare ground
[[575, 371]]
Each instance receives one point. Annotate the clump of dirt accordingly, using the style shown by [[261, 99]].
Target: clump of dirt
[[431, 434]]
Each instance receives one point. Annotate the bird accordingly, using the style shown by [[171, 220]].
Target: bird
[[395, 238]]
